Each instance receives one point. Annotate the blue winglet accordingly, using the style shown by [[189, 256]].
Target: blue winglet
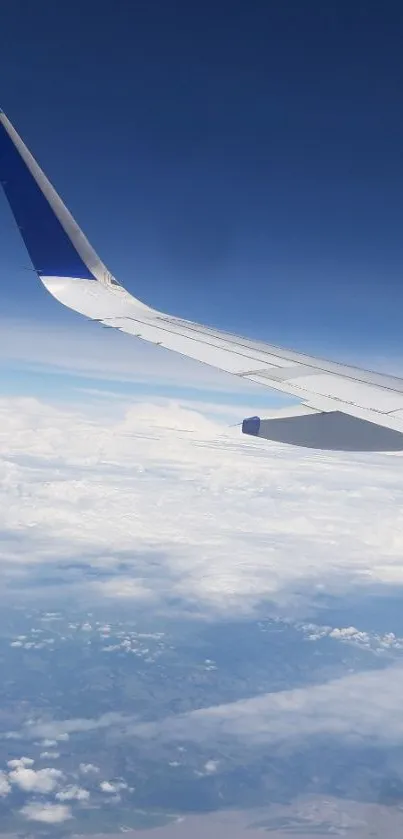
[[51, 250]]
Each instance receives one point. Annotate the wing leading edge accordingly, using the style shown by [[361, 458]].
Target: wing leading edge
[[340, 407]]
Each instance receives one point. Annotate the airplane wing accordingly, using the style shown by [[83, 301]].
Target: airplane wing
[[337, 407]]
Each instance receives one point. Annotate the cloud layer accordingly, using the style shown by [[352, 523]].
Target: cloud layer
[[167, 502]]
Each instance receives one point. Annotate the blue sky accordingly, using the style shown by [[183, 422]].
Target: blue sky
[[235, 163]]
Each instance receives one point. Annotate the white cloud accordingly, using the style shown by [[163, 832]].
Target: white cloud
[[112, 787], [4, 785], [31, 780], [106, 786], [16, 763], [377, 642], [227, 521], [49, 755], [48, 813], [73, 793], [88, 768], [211, 766]]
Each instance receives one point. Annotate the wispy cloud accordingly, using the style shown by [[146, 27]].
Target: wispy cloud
[[86, 350], [354, 708], [359, 706]]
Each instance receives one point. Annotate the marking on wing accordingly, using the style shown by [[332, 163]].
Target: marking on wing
[[281, 374]]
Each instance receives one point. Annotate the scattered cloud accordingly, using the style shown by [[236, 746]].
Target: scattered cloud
[[47, 813], [88, 768], [378, 642], [73, 793], [106, 786], [119, 785], [40, 780], [113, 789], [20, 762], [49, 755]]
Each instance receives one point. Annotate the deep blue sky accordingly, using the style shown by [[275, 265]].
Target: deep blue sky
[[240, 163]]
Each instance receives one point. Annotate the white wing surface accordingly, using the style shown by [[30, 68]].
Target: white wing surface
[[337, 407]]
